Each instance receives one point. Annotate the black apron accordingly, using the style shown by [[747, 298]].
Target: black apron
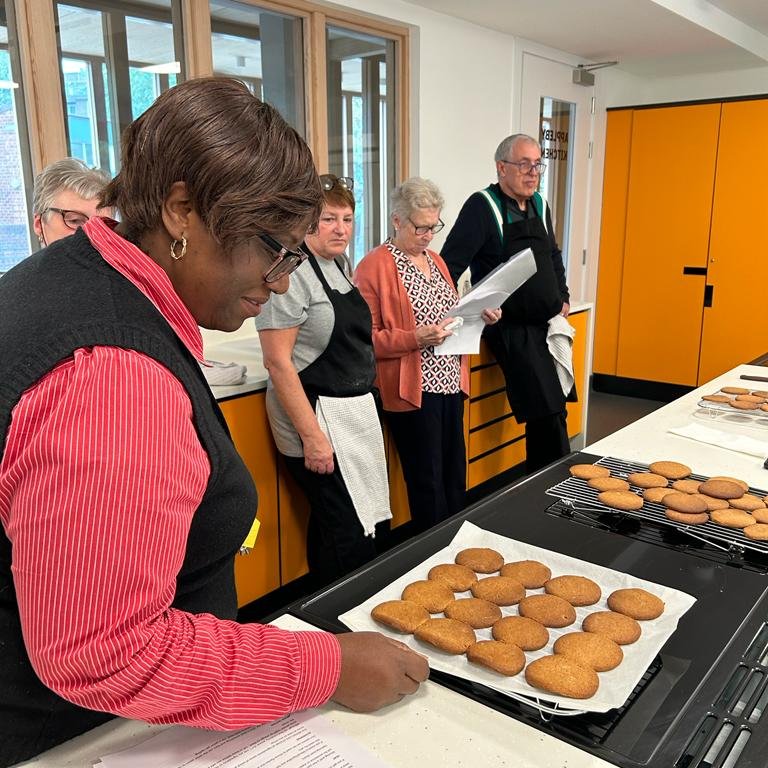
[[347, 366], [519, 339]]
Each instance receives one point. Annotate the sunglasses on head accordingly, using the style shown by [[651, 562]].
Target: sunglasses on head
[[328, 181]]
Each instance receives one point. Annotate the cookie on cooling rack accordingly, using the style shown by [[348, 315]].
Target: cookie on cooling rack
[[747, 503], [722, 489], [608, 484], [732, 518], [757, 532], [623, 500], [647, 480], [734, 390], [672, 470], [588, 471], [687, 503], [686, 519], [686, 486], [655, 495]]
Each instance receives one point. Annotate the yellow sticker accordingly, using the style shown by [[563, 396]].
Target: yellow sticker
[[250, 539]]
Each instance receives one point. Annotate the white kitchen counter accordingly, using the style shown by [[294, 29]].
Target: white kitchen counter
[[647, 439]]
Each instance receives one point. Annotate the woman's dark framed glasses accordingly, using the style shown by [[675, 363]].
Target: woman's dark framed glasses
[[72, 219], [285, 262], [422, 230], [328, 181]]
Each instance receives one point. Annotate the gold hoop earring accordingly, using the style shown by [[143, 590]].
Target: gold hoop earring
[[183, 249]]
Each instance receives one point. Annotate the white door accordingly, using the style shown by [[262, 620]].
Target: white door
[[566, 151]]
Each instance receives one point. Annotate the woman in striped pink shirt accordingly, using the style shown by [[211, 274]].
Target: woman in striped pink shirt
[[122, 499]]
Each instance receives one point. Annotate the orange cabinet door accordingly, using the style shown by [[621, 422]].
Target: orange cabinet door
[[613, 220], [258, 572], [734, 326], [669, 208]]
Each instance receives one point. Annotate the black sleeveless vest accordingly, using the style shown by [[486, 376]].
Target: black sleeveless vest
[[58, 300]]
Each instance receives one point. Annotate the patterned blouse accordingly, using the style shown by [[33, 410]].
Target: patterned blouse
[[431, 298]]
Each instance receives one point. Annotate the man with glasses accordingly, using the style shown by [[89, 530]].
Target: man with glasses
[[493, 225], [66, 194]]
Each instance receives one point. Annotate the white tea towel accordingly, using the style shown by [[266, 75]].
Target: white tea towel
[[731, 442], [353, 429], [560, 335], [223, 374]]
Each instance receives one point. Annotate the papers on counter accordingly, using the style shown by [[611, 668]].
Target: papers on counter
[[295, 741], [490, 293]]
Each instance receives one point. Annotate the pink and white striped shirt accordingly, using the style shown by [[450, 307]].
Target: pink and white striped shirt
[[101, 475]]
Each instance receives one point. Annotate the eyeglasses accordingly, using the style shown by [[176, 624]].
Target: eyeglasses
[[328, 181], [422, 230], [526, 166], [285, 262], [72, 219]]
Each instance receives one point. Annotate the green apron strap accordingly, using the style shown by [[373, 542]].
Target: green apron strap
[[495, 206]]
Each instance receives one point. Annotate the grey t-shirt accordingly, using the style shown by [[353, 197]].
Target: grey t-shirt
[[304, 305]]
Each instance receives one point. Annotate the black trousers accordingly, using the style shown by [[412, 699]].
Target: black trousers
[[336, 543], [546, 440], [430, 442]]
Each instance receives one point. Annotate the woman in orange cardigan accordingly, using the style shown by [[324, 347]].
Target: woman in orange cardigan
[[409, 291]]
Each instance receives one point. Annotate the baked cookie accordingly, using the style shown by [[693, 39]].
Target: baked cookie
[[563, 676], [458, 578], [549, 610], [722, 489], [747, 503], [717, 398], [760, 393], [400, 615], [501, 657], [588, 471], [637, 603], [479, 614], [624, 500], [647, 480], [687, 486], [732, 518], [480, 559], [757, 532], [686, 519], [501, 590], [751, 398], [596, 651], [761, 515], [736, 480], [656, 494], [530, 573], [744, 405], [577, 590], [713, 503], [764, 407], [608, 484], [622, 629], [449, 635], [523, 632], [672, 470], [432, 595], [734, 390], [685, 502]]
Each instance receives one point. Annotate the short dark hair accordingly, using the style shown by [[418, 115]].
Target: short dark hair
[[247, 171]]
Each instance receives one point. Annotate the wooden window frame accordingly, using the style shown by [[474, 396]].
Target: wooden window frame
[[38, 49]]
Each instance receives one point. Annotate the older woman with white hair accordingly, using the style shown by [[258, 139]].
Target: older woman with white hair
[[66, 194], [409, 291]]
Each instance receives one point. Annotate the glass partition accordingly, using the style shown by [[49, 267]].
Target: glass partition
[[361, 127], [15, 171], [263, 49], [116, 58]]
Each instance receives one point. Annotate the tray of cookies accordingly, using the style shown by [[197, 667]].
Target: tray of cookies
[[557, 633], [737, 405], [722, 511]]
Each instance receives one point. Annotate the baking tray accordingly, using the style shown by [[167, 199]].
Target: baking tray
[[708, 410], [615, 686], [577, 494]]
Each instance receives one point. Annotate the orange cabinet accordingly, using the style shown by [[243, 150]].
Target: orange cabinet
[[679, 291], [258, 572]]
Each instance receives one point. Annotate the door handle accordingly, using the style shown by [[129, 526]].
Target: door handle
[[694, 270], [709, 291]]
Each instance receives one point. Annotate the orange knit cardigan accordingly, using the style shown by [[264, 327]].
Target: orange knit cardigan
[[398, 359]]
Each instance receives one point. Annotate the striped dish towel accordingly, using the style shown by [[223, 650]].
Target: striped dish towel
[[560, 335]]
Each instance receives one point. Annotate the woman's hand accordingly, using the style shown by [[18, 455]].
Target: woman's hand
[[318, 453], [566, 310], [491, 316], [433, 335], [376, 671]]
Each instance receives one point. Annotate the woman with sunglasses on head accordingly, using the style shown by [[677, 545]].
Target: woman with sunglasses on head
[[316, 342], [409, 291], [65, 195], [122, 498]]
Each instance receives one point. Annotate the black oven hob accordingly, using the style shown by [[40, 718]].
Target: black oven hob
[[701, 702]]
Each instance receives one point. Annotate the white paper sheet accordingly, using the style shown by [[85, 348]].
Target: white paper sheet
[[490, 293], [727, 440], [295, 741], [615, 686]]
